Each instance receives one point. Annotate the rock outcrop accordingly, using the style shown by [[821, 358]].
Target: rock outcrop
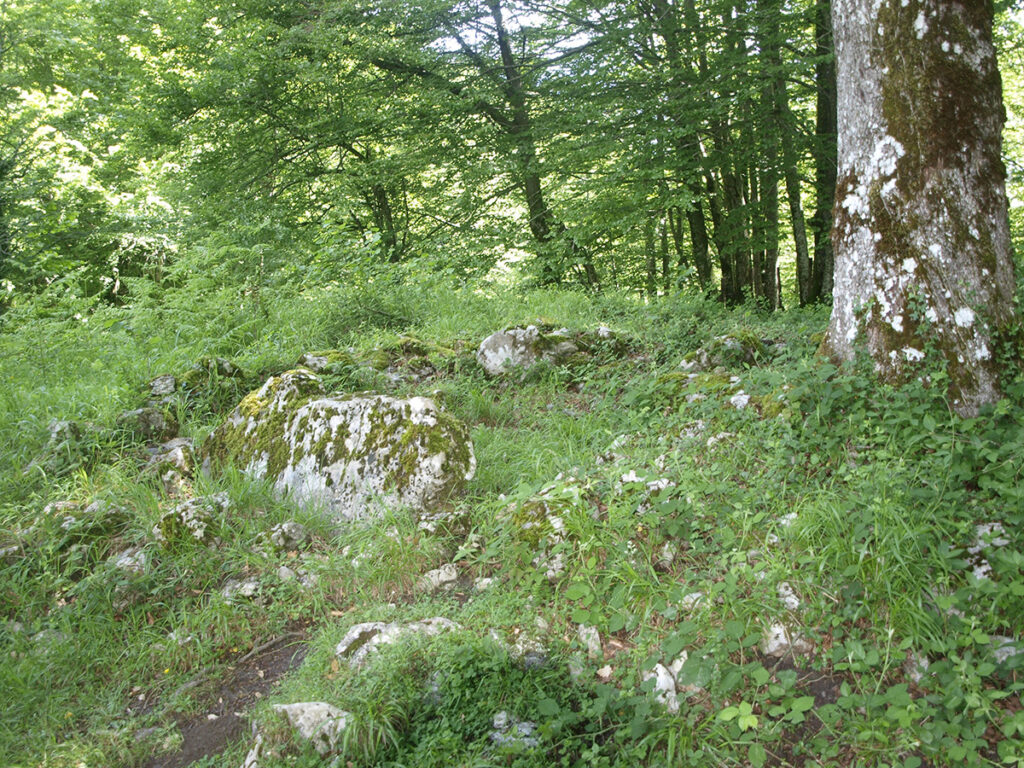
[[350, 454], [522, 348]]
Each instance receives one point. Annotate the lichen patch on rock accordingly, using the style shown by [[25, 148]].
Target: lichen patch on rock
[[352, 455]]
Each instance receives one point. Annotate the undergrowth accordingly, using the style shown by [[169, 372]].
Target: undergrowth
[[844, 509]]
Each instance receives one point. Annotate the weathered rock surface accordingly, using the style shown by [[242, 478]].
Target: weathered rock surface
[[289, 536], [522, 348], [727, 352], [363, 639], [193, 520], [317, 722], [149, 423], [348, 454]]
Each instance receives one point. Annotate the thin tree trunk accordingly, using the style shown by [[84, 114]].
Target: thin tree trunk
[[825, 131]]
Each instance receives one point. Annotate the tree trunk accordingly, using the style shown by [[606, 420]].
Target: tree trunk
[[921, 236], [558, 249], [826, 127]]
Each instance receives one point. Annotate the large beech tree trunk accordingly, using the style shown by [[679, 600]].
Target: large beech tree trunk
[[921, 233]]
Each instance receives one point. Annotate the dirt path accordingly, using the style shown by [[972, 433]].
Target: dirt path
[[221, 722]]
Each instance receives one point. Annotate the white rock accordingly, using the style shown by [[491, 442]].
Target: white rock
[[1005, 648], [235, 589], [777, 641], [520, 347], [354, 456], [252, 759], [664, 687], [788, 596], [916, 666], [691, 600], [605, 673], [162, 386], [317, 722], [591, 640], [483, 583], [133, 561], [677, 666], [289, 535], [363, 639], [740, 400], [439, 578]]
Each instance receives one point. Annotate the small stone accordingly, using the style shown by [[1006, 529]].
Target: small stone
[[740, 400], [788, 596], [664, 687], [363, 639], [284, 573], [915, 667], [483, 583], [290, 536], [508, 731], [149, 423], [591, 640], [439, 578], [317, 722], [133, 561], [777, 641], [666, 556], [252, 758], [1005, 648], [604, 674], [235, 589], [162, 386], [691, 600]]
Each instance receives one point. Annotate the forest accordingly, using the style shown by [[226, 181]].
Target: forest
[[511, 383]]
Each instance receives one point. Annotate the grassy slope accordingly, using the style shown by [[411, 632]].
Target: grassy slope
[[886, 485]]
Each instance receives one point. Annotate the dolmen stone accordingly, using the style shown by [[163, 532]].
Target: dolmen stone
[[354, 455]]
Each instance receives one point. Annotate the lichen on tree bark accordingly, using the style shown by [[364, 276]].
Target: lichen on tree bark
[[921, 233]]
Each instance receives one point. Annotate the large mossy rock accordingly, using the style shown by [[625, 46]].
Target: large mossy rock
[[348, 454], [522, 348]]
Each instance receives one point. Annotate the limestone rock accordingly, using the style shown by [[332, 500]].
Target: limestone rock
[[727, 352], [512, 732], [324, 359], [149, 423], [778, 641], [348, 454], [591, 640], [163, 386], [522, 348], [193, 520], [63, 449], [664, 687], [173, 462], [289, 536], [363, 639], [317, 722], [439, 578]]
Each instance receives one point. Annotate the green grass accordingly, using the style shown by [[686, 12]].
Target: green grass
[[886, 486]]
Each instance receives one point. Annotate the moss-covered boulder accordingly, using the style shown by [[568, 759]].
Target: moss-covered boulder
[[195, 520], [326, 359], [730, 352], [348, 454], [522, 348], [149, 423]]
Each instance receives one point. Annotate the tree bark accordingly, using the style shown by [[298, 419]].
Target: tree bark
[[826, 127], [921, 236]]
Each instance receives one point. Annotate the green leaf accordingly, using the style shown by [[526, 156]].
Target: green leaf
[[803, 704], [548, 707], [577, 590], [756, 755]]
